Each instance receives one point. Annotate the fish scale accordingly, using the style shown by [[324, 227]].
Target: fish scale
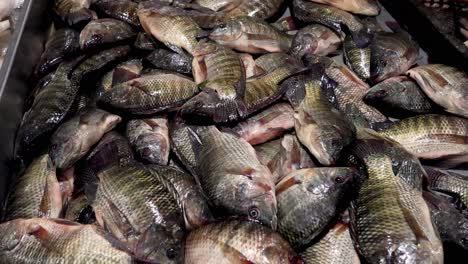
[[449, 182]]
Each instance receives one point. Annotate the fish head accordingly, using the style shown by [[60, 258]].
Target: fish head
[[202, 105], [333, 182], [196, 211], [62, 152], [226, 32], [11, 234], [161, 244], [377, 94]]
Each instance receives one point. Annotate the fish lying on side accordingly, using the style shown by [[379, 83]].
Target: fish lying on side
[[179, 134], [171, 61], [315, 39], [124, 10], [357, 59]]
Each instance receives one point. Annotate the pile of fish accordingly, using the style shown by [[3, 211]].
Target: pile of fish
[[200, 132]]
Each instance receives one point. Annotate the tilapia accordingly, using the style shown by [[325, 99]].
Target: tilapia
[[308, 200], [271, 61], [188, 194], [432, 137], [101, 32], [220, 73], [179, 133], [150, 138], [61, 43], [141, 212], [233, 242], [73, 12], [74, 138], [251, 35], [169, 25], [361, 7], [232, 177], [36, 193], [145, 42], [450, 222], [51, 241], [392, 54], [357, 59], [319, 126], [151, 93], [315, 39], [166, 60], [236, 8], [123, 72], [399, 97], [124, 10], [390, 222], [334, 18], [448, 182], [445, 85], [269, 124], [335, 247]]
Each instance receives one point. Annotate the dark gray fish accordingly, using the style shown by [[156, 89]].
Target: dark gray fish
[[171, 61], [63, 42], [448, 182], [124, 10], [357, 59], [79, 210], [73, 12], [101, 32], [315, 39], [179, 133], [146, 42], [123, 72]]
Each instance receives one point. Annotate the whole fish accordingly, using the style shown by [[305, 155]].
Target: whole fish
[[335, 247], [50, 241], [103, 32], [334, 18], [445, 85], [357, 59], [267, 152], [169, 25], [220, 73], [390, 222], [233, 242], [450, 222], [123, 72], [399, 97], [150, 139], [319, 126], [271, 61], [448, 182], [73, 12], [392, 54], [151, 93], [124, 10], [432, 137], [74, 138], [61, 43], [269, 124], [347, 93], [141, 212], [232, 177], [166, 60], [362, 7], [188, 194], [308, 200], [36, 193], [251, 35], [179, 133], [315, 39]]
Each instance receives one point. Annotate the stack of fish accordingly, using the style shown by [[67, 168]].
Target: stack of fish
[[197, 132]]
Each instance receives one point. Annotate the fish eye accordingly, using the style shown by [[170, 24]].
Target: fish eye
[[171, 253], [54, 147], [222, 26], [254, 212], [339, 180]]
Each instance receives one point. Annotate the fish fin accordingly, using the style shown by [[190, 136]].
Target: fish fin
[[229, 110], [195, 140], [120, 76], [177, 49], [38, 231], [295, 92]]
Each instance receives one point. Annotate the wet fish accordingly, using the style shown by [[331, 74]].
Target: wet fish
[[319, 126], [285, 24], [308, 200], [74, 138], [268, 151], [169, 25], [73, 12], [335, 247], [188, 194], [271, 61], [220, 73], [358, 60], [61, 43], [251, 69], [36, 193], [123, 72], [399, 97], [166, 60], [79, 210], [151, 93], [226, 242], [251, 35], [141, 212], [362, 7], [445, 85], [179, 133], [150, 139], [392, 54], [315, 39], [50, 241], [145, 41], [124, 10], [450, 222], [432, 137], [390, 222], [101, 32], [334, 18], [269, 124], [448, 182], [237, 8], [232, 177]]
